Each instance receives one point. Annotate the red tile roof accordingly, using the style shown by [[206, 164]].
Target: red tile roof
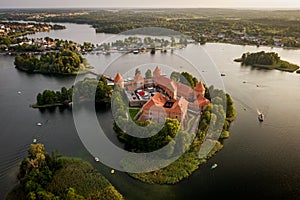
[[118, 78]]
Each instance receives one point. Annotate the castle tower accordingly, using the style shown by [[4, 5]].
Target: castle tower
[[157, 72], [119, 80], [199, 89]]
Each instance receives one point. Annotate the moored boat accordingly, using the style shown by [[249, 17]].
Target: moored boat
[[261, 117]]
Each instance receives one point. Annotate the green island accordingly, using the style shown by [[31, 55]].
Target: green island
[[269, 60], [219, 113], [44, 176], [83, 92], [64, 62]]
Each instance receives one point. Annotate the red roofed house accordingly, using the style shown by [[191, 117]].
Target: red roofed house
[[160, 107]]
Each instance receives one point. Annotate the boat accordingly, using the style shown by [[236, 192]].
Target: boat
[[222, 74], [261, 117], [112, 171], [214, 166], [97, 159], [39, 124], [34, 140]]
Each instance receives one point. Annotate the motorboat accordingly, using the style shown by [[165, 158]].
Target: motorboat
[[97, 159], [261, 117], [214, 166], [39, 124]]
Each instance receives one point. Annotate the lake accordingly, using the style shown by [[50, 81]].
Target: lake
[[258, 161]]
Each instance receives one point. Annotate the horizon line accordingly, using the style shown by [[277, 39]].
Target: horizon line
[[143, 7]]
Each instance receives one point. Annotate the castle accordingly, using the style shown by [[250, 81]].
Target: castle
[[160, 97]]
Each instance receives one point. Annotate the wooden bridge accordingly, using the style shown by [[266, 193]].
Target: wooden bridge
[[109, 78]]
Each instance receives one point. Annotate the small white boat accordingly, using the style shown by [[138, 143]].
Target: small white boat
[[34, 140], [214, 166], [39, 124], [112, 171], [97, 159], [19, 92], [261, 117]]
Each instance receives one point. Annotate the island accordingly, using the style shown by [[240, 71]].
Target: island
[[45, 176], [51, 98], [186, 102], [266, 60], [64, 62]]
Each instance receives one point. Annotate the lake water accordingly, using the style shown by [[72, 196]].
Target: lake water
[[258, 161]]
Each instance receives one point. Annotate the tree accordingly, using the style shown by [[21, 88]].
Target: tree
[[148, 74], [7, 41], [64, 94], [137, 71], [39, 99], [172, 41], [175, 76]]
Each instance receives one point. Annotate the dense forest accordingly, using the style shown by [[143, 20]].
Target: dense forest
[[62, 62], [43, 176], [269, 60]]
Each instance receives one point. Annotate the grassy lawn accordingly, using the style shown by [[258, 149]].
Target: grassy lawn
[[133, 112]]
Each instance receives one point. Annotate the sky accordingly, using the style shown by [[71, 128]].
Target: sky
[[150, 3]]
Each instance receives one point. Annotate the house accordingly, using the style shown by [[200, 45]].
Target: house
[[159, 107]]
